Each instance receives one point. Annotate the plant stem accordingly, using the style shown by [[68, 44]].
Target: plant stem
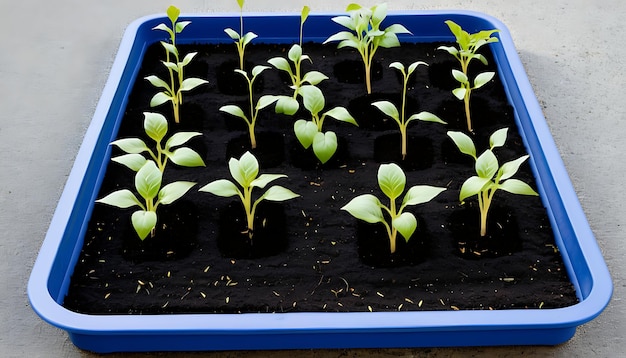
[[466, 99], [250, 209], [484, 202], [394, 231], [402, 116], [252, 135]]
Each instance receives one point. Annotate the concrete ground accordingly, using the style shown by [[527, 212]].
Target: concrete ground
[[55, 60]]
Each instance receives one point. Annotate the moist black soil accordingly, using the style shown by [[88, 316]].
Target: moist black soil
[[320, 258]]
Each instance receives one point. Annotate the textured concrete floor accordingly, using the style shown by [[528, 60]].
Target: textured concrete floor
[[55, 60]]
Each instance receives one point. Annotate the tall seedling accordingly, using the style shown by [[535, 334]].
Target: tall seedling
[[490, 176], [241, 40], [173, 91], [366, 34], [390, 109], [468, 46]]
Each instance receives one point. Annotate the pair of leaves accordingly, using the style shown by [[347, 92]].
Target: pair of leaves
[[148, 181], [242, 41], [391, 110], [392, 181], [480, 80]]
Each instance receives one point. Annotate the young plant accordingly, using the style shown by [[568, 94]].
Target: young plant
[[289, 104], [391, 180], [173, 91], [263, 102], [309, 132], [468, 46], [148, 180], [490, 175], [390, 109], [365, 34], [156, 128], [245, 171], [240, 39]]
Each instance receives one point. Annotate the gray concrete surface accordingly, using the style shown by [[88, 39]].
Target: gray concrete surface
[[55, 59]]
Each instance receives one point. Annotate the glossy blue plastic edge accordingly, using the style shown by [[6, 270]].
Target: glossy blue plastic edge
[[195, 332]]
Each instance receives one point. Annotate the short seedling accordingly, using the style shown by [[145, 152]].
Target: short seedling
[[365, 34], [263, 102], [468, 46], [309, 132], [390, 109], [240, 39], [392, 181], [490, 175], [289, 104], [156, 128], [148, 180], [173, 91], [245, 171]]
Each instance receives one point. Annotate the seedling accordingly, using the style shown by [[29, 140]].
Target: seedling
[[490, 175], [468, 46], [245, 171], [309, 132], [390, 109], [148, 180], [365, 34], [289, 104], [263, 102], [240, 39], [173, 91], [392, 180], [156, 128]]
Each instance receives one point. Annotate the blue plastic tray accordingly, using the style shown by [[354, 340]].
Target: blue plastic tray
[[190, 332]]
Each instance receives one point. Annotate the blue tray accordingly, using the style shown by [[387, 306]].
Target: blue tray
[[193, 332]]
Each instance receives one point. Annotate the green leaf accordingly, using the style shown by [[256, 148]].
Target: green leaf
[[265, 101], [397, 29], [180, 138], [314, 77], [391, 180], [420, 194], [163, 27], [258, 69], [341, 114], [450, 49], [365, 207], [324, 145], [426, 117], [398, 66], [132, 161], [235, 111], [155, 125], [405, 224], [186, 157], [180, 26], [174, 191], [509, 169], [160, 98], [459, 93], [295, 52], [148, 180], [121, 198], [232, 34], [304, 14], [414, 65], [344, 21], [341, 36], [244, 170], [280, 64], [157, 82], [379, 12], [249, 36], [463, 142], [388, 109], [483, 79], [305, 132], [187, 59], [312, 98], [389, 40], [498, 138], [131, 145], [265, 179], [172, 13], [278, 193], [460, 76], [516, 186], [191, 83], [472, 186], [222, 187], [240, 3], [170, 48], [172, 66], [144, 222], [487, 165], [287, 105], [454, 28]]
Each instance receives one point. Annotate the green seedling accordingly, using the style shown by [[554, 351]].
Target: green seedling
[[254, 109], [390, 109], [173, 91], [490, 176], [468, 46], [392, 180], [245, 172], [366, 35], [156, 128], [310, 133], [241, 40], [289, 104], [148, 180]]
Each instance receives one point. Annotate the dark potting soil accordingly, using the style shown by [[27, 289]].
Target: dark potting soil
[[320, 257]]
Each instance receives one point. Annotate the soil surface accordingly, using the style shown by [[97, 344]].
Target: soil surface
[[322, 259]]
